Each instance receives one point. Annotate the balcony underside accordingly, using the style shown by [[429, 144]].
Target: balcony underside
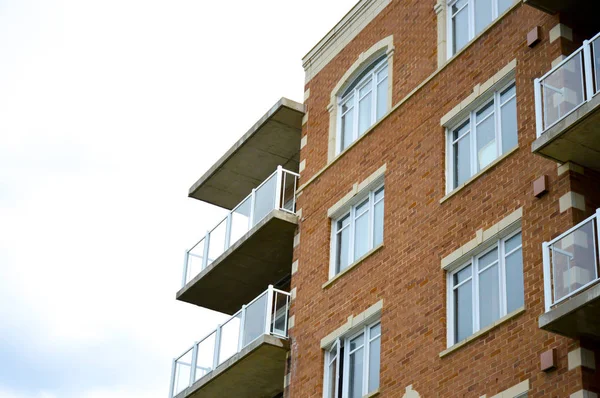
[[575, 139], [263, 256], [273, 141], [255, 372], [555, 6], [578, 317]]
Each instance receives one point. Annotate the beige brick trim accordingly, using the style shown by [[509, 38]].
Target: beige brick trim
[[514, 391], [303, 141], [584, 394], [557, 60], [357, 189], [305, 119], [571, 199], [508, 224], [293, 294], [582, 357], [306, 94], [385, 45], [370, 314], [302, 166], [294, 267], [441, 10], [299, 213], [563, 168], [291, 321], [559, 31], [341, 34], [297, 239], [286, 380], [501, 77]]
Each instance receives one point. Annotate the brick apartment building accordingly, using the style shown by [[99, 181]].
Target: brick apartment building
[[425, 224]]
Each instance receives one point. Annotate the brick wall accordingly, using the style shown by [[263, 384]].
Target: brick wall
[[419, 230]]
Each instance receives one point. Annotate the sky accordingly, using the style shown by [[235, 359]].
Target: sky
[[109, 111]]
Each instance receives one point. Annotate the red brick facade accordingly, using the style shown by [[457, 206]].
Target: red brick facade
[[419, 230]]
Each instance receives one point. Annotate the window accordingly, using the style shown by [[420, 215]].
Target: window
[[482, 136], [486, 288], [352, 364], [469, 17], [363, 102], [357, 231]]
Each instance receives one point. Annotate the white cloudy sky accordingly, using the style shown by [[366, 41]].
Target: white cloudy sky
[[109, 111]]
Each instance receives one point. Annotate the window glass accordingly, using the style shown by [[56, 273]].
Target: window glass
[[363, 102], [462, 154], [504, 5], [460, 25], [356, 368], [514, 273], [343, 243], [374, 356], [483, 14], [378, 218], [488, 288], [508, 111], [361, 230], [463, 306], [358, 231], [488, 132]]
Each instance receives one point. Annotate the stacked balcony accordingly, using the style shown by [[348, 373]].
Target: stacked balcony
[[568, 108], [243, 357], [572, 282], [232, 264]]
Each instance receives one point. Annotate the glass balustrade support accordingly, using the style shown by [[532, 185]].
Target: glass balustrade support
[[220, 348], [572, 281]]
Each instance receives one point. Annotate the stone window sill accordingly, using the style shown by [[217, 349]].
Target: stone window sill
[[352, 266], [481, 332]]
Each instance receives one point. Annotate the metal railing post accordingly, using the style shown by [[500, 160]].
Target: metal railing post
[[228, 231], [205, 254], [588, 71], [252, 203], [539, 118], [242, 324], [279, 187], [269, 309], [173, 372], [185, 268], [217, 347], [194, 362], [547, 276]]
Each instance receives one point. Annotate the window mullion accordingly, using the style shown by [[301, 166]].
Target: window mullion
[[502, 278], [346, 376], [371, 223], [471, 19]]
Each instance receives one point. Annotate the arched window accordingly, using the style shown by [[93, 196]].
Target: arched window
[[363, 102]]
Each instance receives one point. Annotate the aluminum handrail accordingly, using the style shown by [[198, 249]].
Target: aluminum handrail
[[268, 329]]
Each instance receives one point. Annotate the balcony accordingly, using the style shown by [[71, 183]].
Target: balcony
[[248, 250], [572, 282], [568, 109], [273, 140], [559, 6], [243, 357]]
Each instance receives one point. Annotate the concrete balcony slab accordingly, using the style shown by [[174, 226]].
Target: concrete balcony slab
[[575, 139], [261, 257], [273, 141]]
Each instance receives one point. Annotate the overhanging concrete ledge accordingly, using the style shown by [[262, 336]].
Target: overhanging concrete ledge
[[255, 372], [261, 257], [575, 139], [555, 6], [578, 317], [273, 141]]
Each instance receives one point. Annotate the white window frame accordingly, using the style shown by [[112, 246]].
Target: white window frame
[[354, 97], [474, 278], [471, 18], [471, 119], [335, 351], [352, 214]]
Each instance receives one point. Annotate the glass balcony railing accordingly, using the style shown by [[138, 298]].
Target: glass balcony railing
[[276, 193], [571, 262], [570, 84], [266, 314]]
